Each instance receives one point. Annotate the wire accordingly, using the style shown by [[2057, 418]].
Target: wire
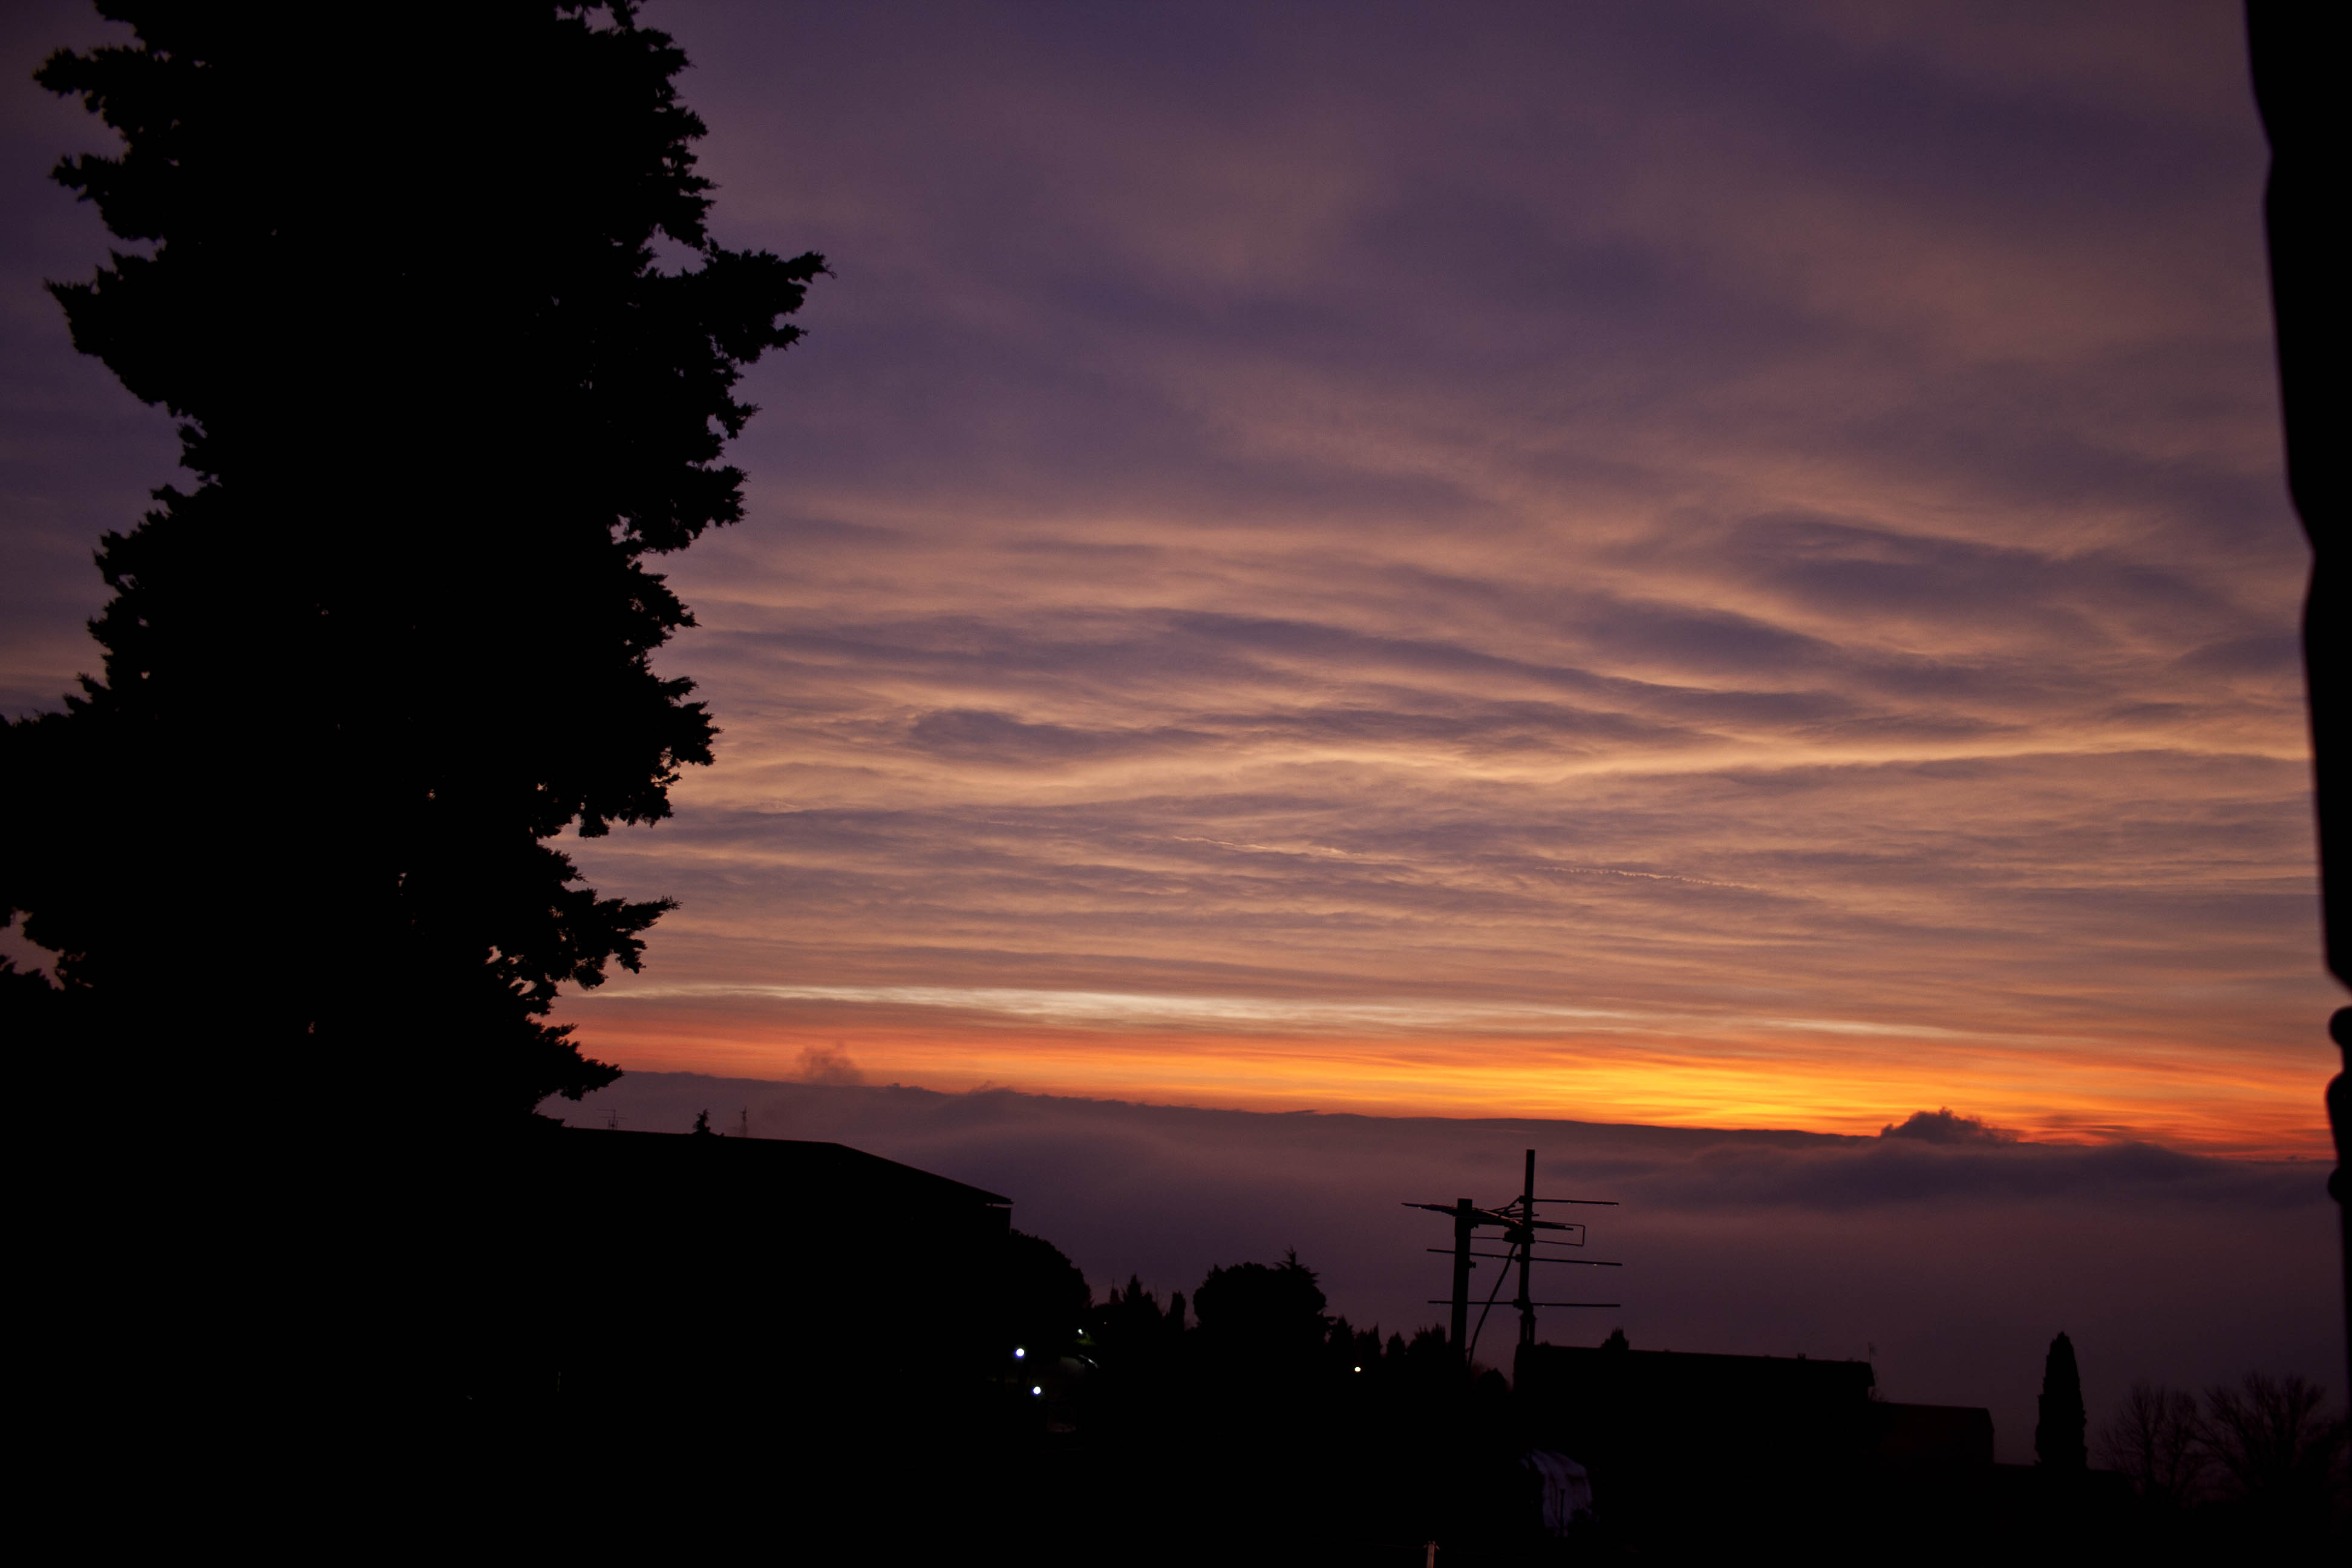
[[1500, 1275]]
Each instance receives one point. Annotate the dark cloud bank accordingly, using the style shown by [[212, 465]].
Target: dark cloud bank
[[1942, 1251]]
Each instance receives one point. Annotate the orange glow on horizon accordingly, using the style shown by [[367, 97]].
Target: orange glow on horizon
[[2099, 1091]]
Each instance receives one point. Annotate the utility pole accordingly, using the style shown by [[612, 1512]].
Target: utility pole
[[1465, 1219], [1518, 1224], [1526, 1240]]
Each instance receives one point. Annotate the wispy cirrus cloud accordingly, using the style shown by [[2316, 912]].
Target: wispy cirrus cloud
[[1193, 1010]]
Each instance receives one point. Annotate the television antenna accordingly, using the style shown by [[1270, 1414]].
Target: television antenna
[[1519, 1222]]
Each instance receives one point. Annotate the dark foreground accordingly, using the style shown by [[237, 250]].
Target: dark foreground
[[853, 1361]]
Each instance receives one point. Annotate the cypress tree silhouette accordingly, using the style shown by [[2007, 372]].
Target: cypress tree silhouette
[[2058, 1435], [442, 406]]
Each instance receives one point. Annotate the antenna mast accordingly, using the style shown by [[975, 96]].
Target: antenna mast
[[1518, 1223]]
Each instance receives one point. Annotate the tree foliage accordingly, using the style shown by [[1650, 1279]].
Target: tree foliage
[[400, 277], [1042, 1297], [1263, 1317]]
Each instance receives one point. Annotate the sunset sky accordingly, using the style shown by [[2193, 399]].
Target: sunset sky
[[1708, 565]]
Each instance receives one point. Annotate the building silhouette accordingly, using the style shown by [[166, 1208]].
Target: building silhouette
[[1691, 1453]]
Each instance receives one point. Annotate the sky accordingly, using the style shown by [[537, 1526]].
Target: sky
[[1337, 592], [1696, 565]]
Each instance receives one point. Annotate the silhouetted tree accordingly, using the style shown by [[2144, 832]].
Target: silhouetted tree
[[1043, 1299], [2058, 1433], [29, 1002], [442, 403], [1134, 1299], [1130, 1326], [1429, 1360], [1364, 1349], [2156, 1439], [2274, 1447], [702, 1125], [1136, 1349], [1264, 1319], [1351, 1347]]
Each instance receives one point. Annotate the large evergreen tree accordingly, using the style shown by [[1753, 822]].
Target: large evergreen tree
[[442, 403]]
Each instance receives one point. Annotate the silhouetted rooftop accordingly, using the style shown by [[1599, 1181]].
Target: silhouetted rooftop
[[788, 1166], [1778, 1379]]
